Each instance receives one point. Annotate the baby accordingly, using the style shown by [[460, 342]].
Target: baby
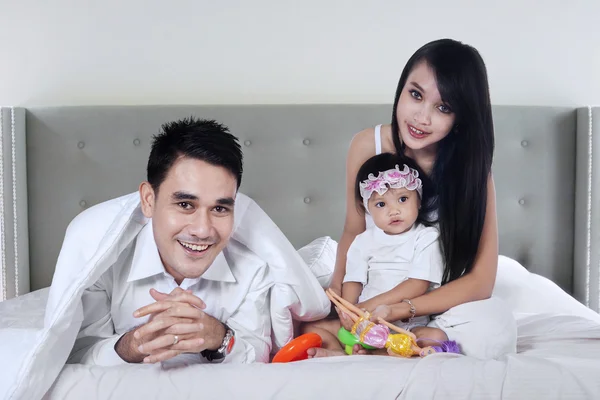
[[399, 247]]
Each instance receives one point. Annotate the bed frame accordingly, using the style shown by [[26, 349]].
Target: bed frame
[[57, 161]]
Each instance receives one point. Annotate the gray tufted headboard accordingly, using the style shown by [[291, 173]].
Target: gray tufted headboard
[[548, 185]]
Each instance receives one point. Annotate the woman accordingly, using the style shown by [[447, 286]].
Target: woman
[[442, 118]]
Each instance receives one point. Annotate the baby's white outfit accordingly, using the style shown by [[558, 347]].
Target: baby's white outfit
[[380, 262]]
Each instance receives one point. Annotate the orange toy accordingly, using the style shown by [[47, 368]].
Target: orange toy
[[296, 349]]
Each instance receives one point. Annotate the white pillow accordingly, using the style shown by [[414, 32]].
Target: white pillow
[[529, 294], [319, 255]]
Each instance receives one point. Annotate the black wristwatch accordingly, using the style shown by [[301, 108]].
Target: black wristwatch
[[223, 350]]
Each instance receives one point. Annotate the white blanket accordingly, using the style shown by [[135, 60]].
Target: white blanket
[[92, 243], [558, 359]]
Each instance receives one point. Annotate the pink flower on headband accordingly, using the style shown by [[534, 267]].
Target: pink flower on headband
[[393, 179], [408, 178], [374, 184], [394, 173]]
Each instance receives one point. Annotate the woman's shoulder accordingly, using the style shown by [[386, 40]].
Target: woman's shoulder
[[363, 138], [368, 134], [362, 145]]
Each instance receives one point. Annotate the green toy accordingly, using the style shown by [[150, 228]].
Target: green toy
[[350, 340]]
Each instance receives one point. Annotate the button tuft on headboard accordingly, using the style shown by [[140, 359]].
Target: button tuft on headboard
[[524, 143], [247, 143], [307, 200], [136, 142], [522, 202], [306, 142], [83, 203], [81, 144]]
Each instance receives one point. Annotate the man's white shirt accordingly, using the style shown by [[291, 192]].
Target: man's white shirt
[[235, 289]]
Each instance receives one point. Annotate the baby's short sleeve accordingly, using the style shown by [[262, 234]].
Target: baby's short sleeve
[[428, 262], [356, 261]]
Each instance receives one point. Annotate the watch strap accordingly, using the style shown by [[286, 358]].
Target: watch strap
[[225, 347]]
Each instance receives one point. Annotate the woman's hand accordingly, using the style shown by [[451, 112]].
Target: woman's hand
[[391, 313], [382, 311], [367, 306]]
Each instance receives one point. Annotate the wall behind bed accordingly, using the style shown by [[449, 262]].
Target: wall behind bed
[[269, 51]]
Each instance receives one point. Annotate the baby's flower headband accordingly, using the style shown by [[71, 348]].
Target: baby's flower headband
[[391, 179]]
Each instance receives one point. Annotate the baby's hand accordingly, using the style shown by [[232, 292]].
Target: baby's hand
[[382, 311], [345, 320]]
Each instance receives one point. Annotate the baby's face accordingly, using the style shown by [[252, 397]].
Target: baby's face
[[395, 211]]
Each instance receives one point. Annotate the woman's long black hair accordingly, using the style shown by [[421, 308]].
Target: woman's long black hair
[[464, 158]]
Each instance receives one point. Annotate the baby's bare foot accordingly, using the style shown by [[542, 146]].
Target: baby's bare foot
[[317, 352]]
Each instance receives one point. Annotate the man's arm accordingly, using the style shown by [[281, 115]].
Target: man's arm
[[127, 347], [96, 339], [251, 323], [180, 313]]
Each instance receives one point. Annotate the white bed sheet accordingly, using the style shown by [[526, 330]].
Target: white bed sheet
[[558, 358], [24, 312]]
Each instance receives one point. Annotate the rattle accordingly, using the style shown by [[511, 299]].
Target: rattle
[[296, 349], [402, 343]]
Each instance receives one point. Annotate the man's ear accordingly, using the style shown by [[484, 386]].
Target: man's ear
[[147, 196]]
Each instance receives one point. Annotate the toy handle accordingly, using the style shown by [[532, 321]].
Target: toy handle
[[349, 340]]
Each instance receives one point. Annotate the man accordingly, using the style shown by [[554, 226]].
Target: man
[[211, 276], [181, 289]]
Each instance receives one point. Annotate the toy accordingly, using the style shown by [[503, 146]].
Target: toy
[[349, 340], [402, 344], [296, 349]]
